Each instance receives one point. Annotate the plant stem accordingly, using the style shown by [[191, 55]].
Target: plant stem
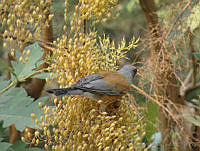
[[13, 83]]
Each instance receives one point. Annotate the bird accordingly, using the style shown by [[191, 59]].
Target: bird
[[108, 86]]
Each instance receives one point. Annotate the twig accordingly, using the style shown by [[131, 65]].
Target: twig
[[183, 129], [46, 42], [177, 19], [23, 79], [192, 50], [8, 87], [190, 87], [185, 83], [188, 78], [43, 45], [157, 102]]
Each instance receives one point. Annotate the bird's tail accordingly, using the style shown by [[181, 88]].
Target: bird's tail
[[65, 91]]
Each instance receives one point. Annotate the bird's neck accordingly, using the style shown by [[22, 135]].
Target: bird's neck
[[127, 74]]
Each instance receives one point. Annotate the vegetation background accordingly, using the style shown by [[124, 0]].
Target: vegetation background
[[65, 40]]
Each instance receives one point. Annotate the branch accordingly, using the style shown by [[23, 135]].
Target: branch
[[190, 87], [49, 46], [192, 50], [183, 129], [190, 81], [177, 19], [22, 80], [8, 87], [185, 83], [157, 102], [188, 78]]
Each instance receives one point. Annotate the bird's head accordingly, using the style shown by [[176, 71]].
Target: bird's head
[[129, 71]]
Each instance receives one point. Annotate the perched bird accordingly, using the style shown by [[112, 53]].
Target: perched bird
[[108, 86]]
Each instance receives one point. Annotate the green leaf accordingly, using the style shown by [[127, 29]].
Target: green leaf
[[4, 146], [42, 75], [5, 66], [2, 131], [3, 83], [16, 108], [24, 69], [34, 149], [18, 146], [197, 55], [193, 119]]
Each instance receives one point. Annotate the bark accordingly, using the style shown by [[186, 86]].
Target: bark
[[14, 134]]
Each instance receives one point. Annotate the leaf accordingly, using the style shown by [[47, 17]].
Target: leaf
[[18, 146], [5, 66], [4, 146], [197, 55], [34, 149], [16, 108], [2, 131], [3, 83], [42, 75], [24, 69], [193, 119]]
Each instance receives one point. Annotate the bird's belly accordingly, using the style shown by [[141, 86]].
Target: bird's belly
[[106, 99], [109, 99], [90, 95]]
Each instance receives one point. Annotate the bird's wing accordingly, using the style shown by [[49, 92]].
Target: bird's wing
[[86, 80], [96, 84]]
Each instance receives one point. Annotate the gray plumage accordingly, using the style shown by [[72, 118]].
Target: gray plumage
[[94, 85], [128, 71]]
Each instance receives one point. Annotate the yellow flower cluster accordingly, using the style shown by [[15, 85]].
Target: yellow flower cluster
[[76, 123], [98, 10], [81, 56], [23, 20], [89, 10]]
